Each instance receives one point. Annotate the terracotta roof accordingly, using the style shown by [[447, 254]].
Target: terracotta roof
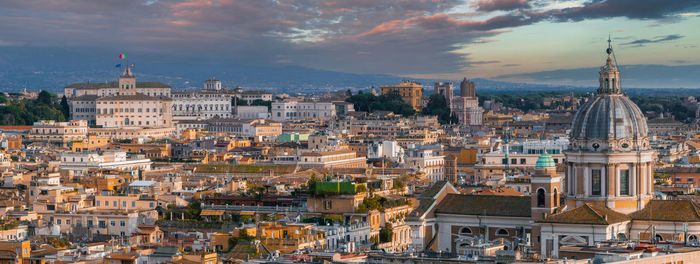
[[15, 127], [435, 189], [669, 210], [121, 256], [325, 153], [588, 214], [426, 199], [503, 191], [693, 144], [490, 205]]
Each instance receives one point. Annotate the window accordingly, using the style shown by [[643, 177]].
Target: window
[[513, 161], [465, 231], [327, 204], [523, 161], [690, 179], [152, 205], [624, 182], [123, 203], [114, 203], [58, 221], [133, 203], [102, 224], [504, 161], [122, 223], [595, 182], [502, 232], [540, 197], [113, 223], [98, 203]]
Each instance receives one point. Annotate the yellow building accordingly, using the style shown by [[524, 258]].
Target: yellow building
[[92, 142], [14, 143], [411, 93], [11, 251], [289, 237], [151, 150], [210, 258]]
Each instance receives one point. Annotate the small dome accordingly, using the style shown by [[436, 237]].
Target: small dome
[[609, 116], [545, 160]]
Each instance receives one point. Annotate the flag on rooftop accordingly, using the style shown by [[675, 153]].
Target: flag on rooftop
[[122, 56]]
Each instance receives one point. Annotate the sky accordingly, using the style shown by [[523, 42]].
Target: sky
[[448, 39]]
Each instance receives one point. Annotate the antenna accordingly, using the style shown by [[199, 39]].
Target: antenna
[[610, 51]]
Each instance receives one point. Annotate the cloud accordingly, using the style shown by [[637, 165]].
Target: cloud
[[499, 5], [484, 62], [398, 36], [633, 9], [642, 42]]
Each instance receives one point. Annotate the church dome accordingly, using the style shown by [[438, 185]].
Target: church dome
[[545, 160], [609, 116], [610, 119]]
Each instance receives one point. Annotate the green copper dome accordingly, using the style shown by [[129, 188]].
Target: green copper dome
[[545, 160]]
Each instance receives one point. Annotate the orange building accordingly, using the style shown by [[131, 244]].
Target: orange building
[[92, 142]]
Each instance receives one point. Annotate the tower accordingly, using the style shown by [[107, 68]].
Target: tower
[[609, 161], [127, 82], [467, 88], [545, 192], [546, 187], [444, 89]]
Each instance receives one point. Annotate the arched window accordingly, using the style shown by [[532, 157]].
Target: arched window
[[659, 238], [465, 231], [502, 232], [556, 197], [540, 197], [693, 238]]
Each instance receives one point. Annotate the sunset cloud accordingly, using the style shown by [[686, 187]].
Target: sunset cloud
[[402, 36]]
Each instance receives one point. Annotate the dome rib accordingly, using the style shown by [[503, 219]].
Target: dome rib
[[609, 117]]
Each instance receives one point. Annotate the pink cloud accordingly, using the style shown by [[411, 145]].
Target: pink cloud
[[499, 5]]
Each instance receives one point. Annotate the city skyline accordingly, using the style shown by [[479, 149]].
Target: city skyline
[[510, 40]]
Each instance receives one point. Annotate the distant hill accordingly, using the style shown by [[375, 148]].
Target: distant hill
[[53, 68], [638, 75]]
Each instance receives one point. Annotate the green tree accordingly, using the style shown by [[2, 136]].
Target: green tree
[[261, 102], [45, 98], [368, 102], [437, 106], [385, 234], [65, 108]]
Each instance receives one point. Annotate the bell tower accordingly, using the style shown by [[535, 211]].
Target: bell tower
[[127, 82], [546, 187], [546, 194]]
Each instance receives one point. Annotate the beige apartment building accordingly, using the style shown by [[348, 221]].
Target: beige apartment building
[[332, 159], [58, 133], [97, 222], [131, 202]]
